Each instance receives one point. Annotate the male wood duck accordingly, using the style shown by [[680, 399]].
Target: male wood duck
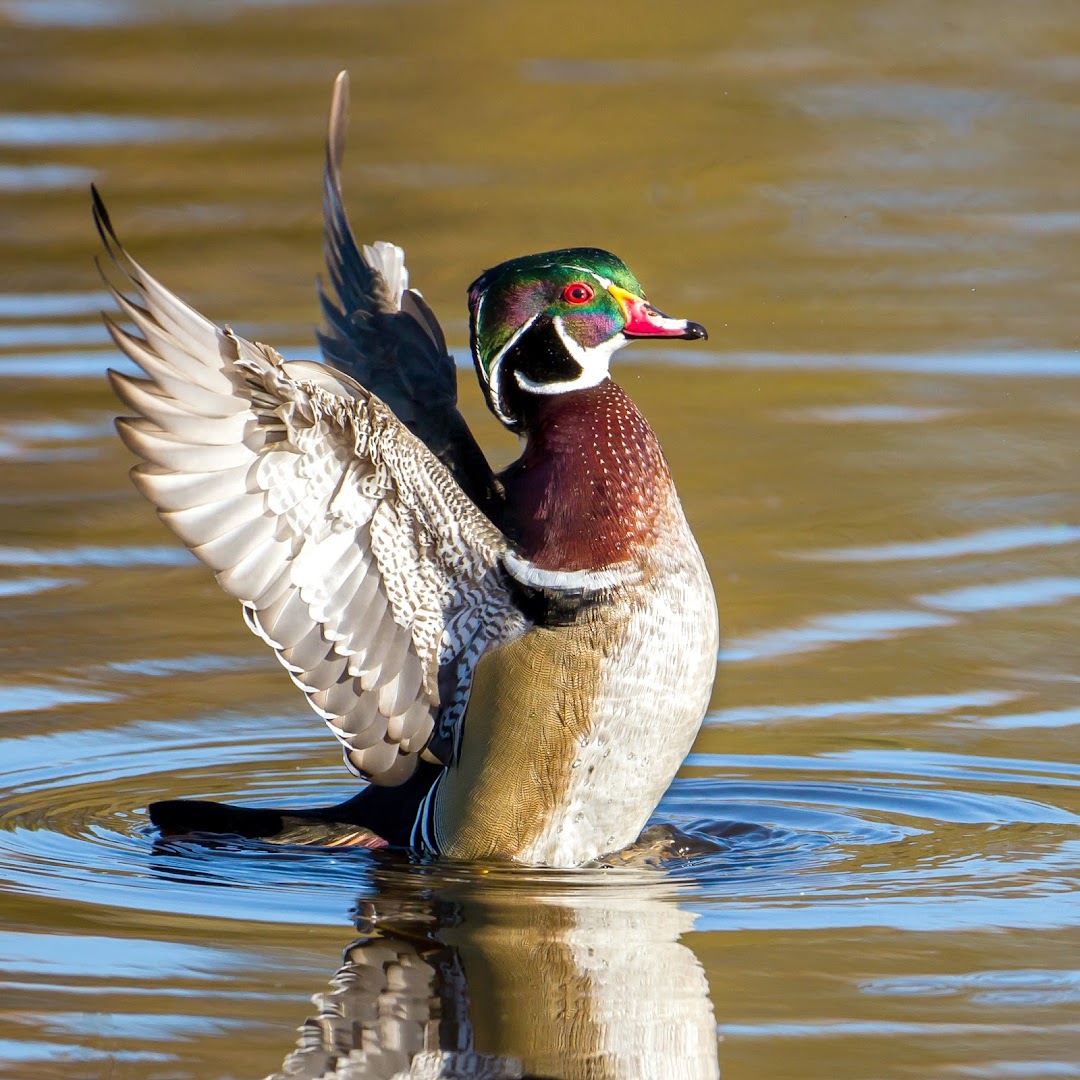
[[517, 663]]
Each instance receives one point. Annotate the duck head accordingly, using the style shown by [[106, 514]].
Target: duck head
[[549, 324]]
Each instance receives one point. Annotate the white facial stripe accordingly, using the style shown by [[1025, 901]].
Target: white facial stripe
[[479, 308], [605, 283], [606, 577], [594, 364], [496, 364]]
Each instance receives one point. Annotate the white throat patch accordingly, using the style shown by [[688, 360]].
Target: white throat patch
[[594, 363]]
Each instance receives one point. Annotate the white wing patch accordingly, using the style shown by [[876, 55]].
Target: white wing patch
[[357, 557], [388, 260]]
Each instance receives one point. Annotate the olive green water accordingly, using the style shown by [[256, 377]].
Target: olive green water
[[874, 207]]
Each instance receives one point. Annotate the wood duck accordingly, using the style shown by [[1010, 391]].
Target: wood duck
[[517, 663]]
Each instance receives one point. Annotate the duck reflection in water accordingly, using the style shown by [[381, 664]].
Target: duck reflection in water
[[462, 972]]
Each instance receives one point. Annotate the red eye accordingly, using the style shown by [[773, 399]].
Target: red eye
[[578, 293]]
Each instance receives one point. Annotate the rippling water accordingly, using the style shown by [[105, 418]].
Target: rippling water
[[868, 867]]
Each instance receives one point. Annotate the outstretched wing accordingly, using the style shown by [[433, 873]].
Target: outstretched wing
[[356, 555], [385, 336]]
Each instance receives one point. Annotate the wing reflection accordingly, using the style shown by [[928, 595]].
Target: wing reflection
[[498, 975]]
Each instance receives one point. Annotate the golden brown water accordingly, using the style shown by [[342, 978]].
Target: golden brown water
[[874, 208]]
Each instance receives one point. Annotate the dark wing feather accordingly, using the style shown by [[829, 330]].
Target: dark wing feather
[[383, 334]]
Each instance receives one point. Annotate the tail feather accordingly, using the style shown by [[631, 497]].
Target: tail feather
[[377, 817], [314, 828]]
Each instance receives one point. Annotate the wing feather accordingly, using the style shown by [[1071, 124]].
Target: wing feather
[[175, 491], [383, 333], [286, 620], [324, 674], [144, 439], [260, 573], [351, 546]]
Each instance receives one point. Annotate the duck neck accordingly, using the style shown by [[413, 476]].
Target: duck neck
[[592, 485]]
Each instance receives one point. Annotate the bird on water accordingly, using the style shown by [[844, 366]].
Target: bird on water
[[516, 663]]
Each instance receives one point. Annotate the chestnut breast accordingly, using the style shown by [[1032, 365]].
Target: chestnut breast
[[591, 484]]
